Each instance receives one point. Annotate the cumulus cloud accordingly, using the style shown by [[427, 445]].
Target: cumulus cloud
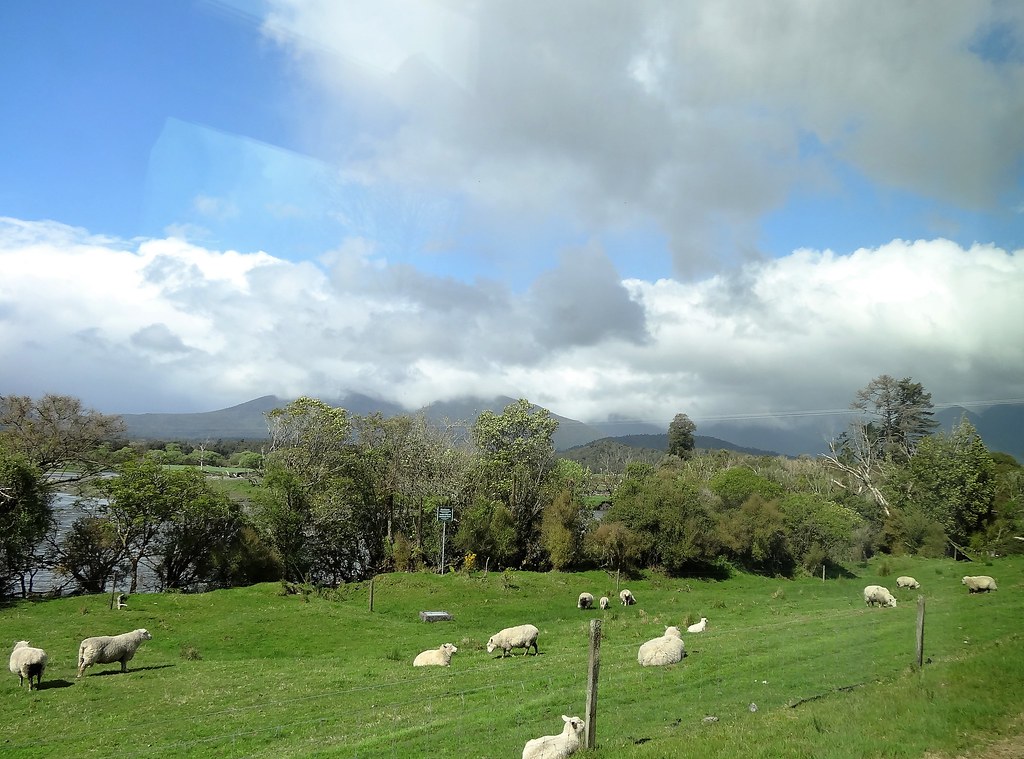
[[151, 325], [701, 116]]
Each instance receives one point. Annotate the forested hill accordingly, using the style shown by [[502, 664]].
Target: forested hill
[[611, 454]]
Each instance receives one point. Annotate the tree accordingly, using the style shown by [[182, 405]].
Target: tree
[[55, 434], [738, 483], [516, 455], [952, 479], [680, 436], [89, 552], [899, 415], [756, 536], [25, 515]]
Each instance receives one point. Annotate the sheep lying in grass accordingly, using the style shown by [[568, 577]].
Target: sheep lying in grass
[[979, 584], [877, 595], [907, 582], [522, 636], [605, 603], [585, 601], [28, 662], [699, 627], [107, 649], [668, 649], [441, 656], [626, 597], [558, 746]]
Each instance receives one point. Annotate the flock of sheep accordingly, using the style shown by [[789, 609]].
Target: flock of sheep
[[28, 662], [876, 595]]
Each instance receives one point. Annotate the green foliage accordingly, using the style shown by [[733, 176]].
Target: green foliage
[[24, 515], [614, 545], [736, 484], [89, 552], [756, 537], [566, 520], [818, 529], [901, 415], [680, 436], [487, 529]]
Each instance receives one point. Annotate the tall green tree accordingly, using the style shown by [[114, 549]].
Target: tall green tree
[[680, 436], [899, 414], [516, 455], [25, 515]]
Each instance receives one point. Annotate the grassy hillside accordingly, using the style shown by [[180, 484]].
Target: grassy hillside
[[252, 672]]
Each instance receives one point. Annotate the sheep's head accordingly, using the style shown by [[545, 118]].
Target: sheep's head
[[490, 645], [449, 648], [673, 632], [891, 602], [20, 644], [964, 580], [144, 634], [575, 724]]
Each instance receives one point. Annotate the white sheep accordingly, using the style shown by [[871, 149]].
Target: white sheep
[[979, 584], [585, 601], [907, 582], [668, 649], [28, 662], [107, 649], [699, 627], [876, 594], [605, 603], [626, 597], [558, 746], [521, 636], [441, 656]]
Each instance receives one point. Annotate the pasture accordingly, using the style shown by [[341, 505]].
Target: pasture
[[790, 668]]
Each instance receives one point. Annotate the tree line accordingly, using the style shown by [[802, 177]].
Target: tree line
[[341, 497]]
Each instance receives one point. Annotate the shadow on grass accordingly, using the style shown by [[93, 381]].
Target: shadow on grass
[[130, 670], [47, 684]]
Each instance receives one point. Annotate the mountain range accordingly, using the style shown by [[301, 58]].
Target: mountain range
[[1000, 426]]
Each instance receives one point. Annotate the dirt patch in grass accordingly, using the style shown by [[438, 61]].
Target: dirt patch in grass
[[1008, 747]]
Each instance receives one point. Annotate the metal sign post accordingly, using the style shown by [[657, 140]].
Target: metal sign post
[[444, 516]]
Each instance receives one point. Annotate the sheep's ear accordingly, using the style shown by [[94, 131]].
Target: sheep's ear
[[566, 719]]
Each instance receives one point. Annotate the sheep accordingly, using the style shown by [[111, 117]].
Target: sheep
[[585, 601], [907, 582], [441, 656], [605, 603], [699, 627], [876, 594], [28, 662], [979, 584], [107, 649], [522, 636], [558, 746], [626, 597], [668, 649]]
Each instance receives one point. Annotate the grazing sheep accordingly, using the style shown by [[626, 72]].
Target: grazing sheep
[[668, 649], [522, 636], [979, 584], [107, 649], [699, 627], [585, 601], [28, 662], [605, 603], [626, 597], [558, 746], [442, 656], [907, 582], [876, 594]]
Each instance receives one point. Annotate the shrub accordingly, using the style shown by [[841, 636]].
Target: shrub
[[189, 652]]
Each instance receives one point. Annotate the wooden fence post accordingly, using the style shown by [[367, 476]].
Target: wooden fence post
[[371, 594], [592, 673], [113, 590], [920, 631]]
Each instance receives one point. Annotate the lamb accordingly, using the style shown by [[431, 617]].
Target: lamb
[[107, 649], [979, 584], [699, 627], [668, 649], [626, 597], [558, 746], [876, 594], [522, 636], [442, 656], [907, 582], [605, 603], [585, 601], [28, 662]]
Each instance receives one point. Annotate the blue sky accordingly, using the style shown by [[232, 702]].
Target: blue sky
[[513, 193]]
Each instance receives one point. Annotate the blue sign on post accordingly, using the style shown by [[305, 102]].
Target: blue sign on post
[[445, 513]]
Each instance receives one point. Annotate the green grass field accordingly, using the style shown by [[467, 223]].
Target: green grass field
[[253, 672]]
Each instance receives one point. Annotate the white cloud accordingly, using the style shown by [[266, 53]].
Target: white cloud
[[164, 325], [701, 116]]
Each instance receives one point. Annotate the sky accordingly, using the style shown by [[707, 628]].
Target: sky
[[618, 210]]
